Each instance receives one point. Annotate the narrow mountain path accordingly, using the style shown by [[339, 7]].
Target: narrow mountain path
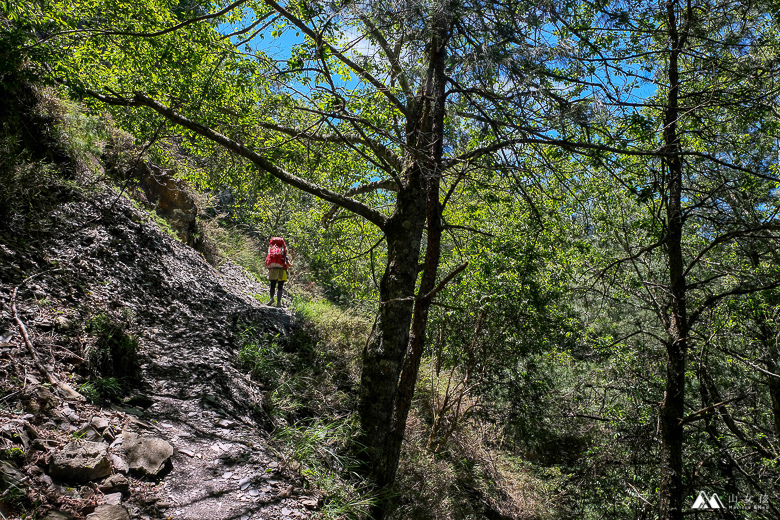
[[102, 255]]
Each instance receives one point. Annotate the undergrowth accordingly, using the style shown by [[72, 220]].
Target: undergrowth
[[112, 358], [310, 376], [230, 243], [321, 453]]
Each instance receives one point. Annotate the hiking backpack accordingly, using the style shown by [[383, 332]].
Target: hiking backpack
[[277, 254]]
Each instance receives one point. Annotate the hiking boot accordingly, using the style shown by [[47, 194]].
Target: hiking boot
[[278, 303], [271, 301]]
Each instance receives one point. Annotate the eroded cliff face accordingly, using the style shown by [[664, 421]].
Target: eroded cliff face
[[89, 254]]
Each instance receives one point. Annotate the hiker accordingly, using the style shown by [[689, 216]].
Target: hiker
[[277, 264]]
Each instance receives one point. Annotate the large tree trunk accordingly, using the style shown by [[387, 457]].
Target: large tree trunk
[[384, 354], [671, 492], [392, 357]]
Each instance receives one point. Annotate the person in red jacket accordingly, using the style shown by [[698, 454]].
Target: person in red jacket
[[277, 263]]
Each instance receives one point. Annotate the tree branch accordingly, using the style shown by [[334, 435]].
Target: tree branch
[[28, 343], [317, 38], [734, 292], [386, 184], [169, 29], [700, 414], [444, 282], [724, 238], [141, 99], [391, 55], [447, 227], [380, 149]]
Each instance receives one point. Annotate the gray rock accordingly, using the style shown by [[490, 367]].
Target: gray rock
[[69, 393], [109, 512], [120, 464], [115, 484], [311, 504], [9, 473], [63, 323], [146, 455], [99, 423], [113, 499], [81, 461]]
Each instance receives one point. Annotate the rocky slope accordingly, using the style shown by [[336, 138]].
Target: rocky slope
[[185, 439]]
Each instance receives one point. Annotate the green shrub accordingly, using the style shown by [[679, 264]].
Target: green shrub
[[13, 454], [338, 333], [114, 352], [101, 389], [226, 241], [263, 357]]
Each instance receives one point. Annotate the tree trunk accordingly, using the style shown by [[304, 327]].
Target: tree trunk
[[671, 492], [384, 354], [392, 357]]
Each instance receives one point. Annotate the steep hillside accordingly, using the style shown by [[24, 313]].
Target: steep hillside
[[93, 266]]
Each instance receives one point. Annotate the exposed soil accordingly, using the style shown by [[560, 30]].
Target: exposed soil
[[100, 255]]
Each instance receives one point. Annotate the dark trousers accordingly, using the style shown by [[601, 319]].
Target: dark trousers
[[274, 285]]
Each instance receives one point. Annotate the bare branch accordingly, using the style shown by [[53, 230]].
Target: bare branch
[[700, 414], [390, 53], [734, 292], [169, 29], [380, 149], [448, 227], [28, 343], [724, 238], [444, 282]]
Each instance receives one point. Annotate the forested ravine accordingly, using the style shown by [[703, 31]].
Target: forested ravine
[[97, 259]]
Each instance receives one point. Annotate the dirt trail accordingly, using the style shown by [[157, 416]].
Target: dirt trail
[[102, 255]]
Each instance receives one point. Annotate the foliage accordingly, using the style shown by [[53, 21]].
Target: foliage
[[114, 352], [471, 478], [607, 169], [321, 455], [101, 389]]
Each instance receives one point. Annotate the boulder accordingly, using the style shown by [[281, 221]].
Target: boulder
[[81, 461], [115, 484], [147, 456], [171, 199], [113, 499], [109, 512]]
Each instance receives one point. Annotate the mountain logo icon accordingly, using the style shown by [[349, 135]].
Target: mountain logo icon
[[704, 502]]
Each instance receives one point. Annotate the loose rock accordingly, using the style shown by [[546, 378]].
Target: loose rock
[[147, 456], [109, 512], [81, 461], [115, 484]]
